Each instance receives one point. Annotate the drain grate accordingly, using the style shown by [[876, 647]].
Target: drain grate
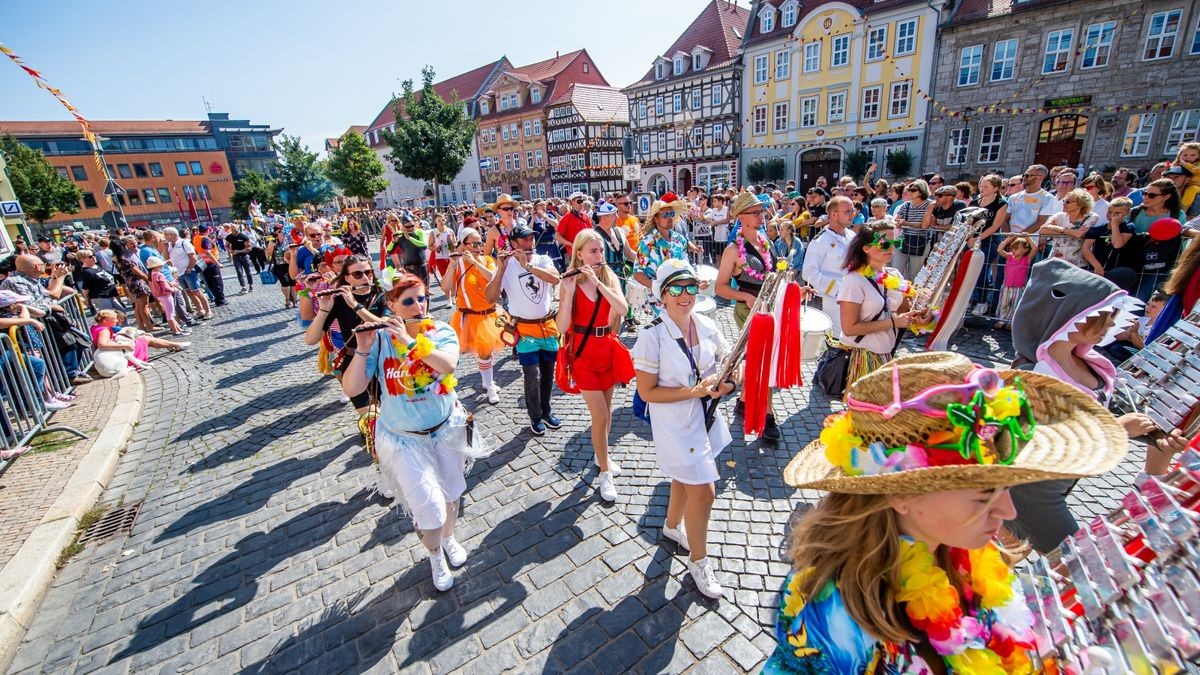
[[115, 522]]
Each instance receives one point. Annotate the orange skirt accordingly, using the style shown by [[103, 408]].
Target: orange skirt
[[604, 363], [478, 334]]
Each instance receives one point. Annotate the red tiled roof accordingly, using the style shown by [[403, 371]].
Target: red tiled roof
[[720, 27], [105, 127], [465, 85], [596, 104], [549, 68], [803, 9], [547, 72]]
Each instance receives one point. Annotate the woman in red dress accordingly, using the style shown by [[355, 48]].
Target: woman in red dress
[[591, 303]]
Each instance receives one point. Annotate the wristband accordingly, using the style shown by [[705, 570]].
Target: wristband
[[360, 353], [359, 307]]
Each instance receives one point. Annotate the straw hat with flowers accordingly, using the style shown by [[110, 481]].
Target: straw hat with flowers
[[935, 422]]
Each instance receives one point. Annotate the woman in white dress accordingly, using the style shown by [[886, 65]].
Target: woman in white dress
[[676, 358]]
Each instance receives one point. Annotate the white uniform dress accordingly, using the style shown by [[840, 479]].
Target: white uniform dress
[[684, 450]]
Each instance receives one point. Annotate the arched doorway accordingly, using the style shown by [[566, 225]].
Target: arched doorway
[[685, 180], [825, 162], [658, 185], [1060, 140]]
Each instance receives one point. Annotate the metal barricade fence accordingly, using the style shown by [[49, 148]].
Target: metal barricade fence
[[78, 318], [23, 412]]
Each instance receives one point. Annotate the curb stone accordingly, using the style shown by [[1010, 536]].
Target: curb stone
[[26, 577]]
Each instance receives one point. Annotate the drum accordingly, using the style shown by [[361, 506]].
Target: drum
[[638, 297], [814, 324], [707, 273], [705, 304]]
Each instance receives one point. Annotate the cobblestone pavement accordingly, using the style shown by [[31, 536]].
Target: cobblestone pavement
[[260, 548]]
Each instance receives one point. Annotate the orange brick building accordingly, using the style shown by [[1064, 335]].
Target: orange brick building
[[150, 160]]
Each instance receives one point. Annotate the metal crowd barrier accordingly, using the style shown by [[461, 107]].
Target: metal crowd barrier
[[23, 413]]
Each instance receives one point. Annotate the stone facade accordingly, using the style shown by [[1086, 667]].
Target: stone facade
[[1106, 85]]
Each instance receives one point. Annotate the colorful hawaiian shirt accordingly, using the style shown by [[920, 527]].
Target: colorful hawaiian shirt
[[653, 249]]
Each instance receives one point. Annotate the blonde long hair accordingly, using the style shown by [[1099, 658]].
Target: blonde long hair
[[583, 239]]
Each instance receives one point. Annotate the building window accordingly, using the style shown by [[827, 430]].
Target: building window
[[678, 65], [760, 69], [89, 200], [696, 62], [675, 139], [1097, 44], [135, 198], [760, 120], [529, 158], [960, 143], [1004, 60], [989, 144], [1160, 39], [718, 133], [645, 143], [1138, 134], [837, 107], [783, 64], [78, 172], [123, 171], [507, 162], [641, 110], [812, 57], [1185, 128], [197, 169], [155, 169], [766, 22], [537, 158], [1195, 38], [537, 127], [483, 106], [658, 106], [789, 15], [62, 171], [870, 102], [517, 161], [504, 132], [840, 54], [1058, 51], [148, 195], [181, 168], [877, 43], [677, 102], [662, 141], [898, 100], [528, 129], [808, 112], [659, 71], [698, 136], [164, 195], [535, 95], [717, 94], [139, 170], [969, 62], [782, 115], [697, 98], [906, 37]]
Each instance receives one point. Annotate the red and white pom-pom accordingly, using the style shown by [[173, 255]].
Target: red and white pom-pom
[[759, 342]]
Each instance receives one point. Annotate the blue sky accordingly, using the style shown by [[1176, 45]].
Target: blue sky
[[313, 67]]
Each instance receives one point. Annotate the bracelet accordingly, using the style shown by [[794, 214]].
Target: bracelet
[[361, 353], [359, 307]]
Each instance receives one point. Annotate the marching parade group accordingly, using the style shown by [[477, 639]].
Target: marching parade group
[[940, 473]]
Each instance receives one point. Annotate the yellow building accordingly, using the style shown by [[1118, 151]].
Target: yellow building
[[824, 79], [13, 225]]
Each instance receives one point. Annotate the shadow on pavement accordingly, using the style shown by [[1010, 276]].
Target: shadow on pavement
[[271, 400], [232, 582], [263, 369], [247, 333], [249, 317], [264, 435], [247, 350]]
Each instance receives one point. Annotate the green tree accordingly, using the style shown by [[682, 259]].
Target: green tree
[[355, 168], [254, 186], [302, 178], [756, 171], [776, 169], [899, 163], [856, 163], [39, 187], [433, 137]]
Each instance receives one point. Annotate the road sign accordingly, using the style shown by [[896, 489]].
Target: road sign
[[12, 208], [644, 201], [485, 163], [633, 172]]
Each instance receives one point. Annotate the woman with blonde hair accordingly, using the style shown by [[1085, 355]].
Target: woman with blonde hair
[[1069, 226], [897, 570], [591, 305]]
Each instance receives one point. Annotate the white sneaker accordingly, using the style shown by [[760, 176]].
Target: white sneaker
[[613, 467], [493, 395], [455, 553], [442, 579], [180, 346], [677, 535], [604, 483], [343, 398], [56, 405], [706, 580]]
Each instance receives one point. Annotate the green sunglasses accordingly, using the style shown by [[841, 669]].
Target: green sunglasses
[[676, 291], [884, 244]]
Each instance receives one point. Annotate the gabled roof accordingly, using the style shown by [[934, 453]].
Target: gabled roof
[[975, 10], [606, 105], [331, 143], [547, 73], [106, 128], [803, 9], [544, 70], [720, 27], [467, 86]]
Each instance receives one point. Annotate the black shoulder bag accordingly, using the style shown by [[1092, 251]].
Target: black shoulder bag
[[835, 362]]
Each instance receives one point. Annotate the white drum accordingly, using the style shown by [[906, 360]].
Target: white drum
[[707, 273], [814, 324], [638, 297], [705, 304]]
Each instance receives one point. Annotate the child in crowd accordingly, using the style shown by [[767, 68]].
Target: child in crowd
[[1017, 250], [1189, 158], [164, 292]]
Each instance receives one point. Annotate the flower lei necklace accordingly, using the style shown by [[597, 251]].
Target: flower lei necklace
[[998, 629], [892, 281], [414, 375], [746, 269]]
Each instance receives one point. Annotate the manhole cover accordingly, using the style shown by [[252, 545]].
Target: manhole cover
[[114, 522]]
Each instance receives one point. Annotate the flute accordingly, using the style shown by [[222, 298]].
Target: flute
[[580, 270]]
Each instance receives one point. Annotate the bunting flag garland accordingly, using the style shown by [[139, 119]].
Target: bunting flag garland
[[57, 93]]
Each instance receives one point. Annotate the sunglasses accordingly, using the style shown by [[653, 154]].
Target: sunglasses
[[507, 208], [911, 190], [576, 201], [676, 291], [315, 236], [624, 203], [1030, 175], [361, 274], [409, 302], [884, 244], [668, 214], [1153, 194], [475, 243]]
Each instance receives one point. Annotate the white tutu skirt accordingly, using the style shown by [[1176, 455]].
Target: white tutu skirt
[[426, 472]]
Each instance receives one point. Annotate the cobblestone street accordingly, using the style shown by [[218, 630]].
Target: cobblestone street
[[259, 546]]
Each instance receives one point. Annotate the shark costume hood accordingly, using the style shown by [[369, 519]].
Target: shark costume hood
[[1059, 296]]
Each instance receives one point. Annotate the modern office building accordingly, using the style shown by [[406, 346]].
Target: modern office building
[[249, 147]]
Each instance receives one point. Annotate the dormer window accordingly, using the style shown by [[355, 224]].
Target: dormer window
[[483, 106], [696, 65], [660, 72], [678, 65], [535, 95], [789, 14], [766, 20]]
